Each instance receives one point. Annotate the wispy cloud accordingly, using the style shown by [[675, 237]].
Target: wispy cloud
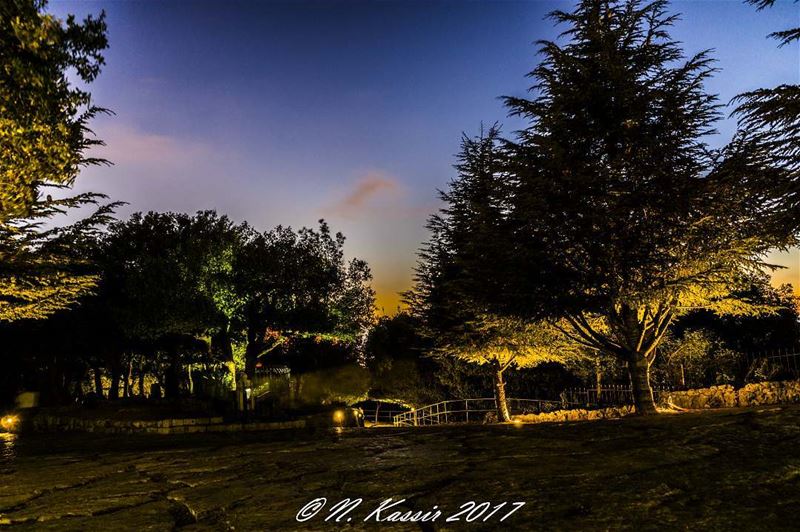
[[126, 145], [362, 194]]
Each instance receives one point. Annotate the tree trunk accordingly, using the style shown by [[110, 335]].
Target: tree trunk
[[225, 346], [142, 393], [129, 378], [78, 392], [113, 391], [98, 382], [126, 380], [639, 371], [251, 352], [172, 383], [598, 375], [500, 396]]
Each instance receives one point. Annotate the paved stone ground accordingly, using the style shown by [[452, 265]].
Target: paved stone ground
[[717, 470]]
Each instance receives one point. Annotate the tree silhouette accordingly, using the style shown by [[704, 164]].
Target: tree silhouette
[[459, 265], [769, 136]]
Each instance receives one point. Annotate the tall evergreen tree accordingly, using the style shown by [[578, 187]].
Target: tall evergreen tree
[[462, 264], [769, 136], [609, 215], [623, 217]]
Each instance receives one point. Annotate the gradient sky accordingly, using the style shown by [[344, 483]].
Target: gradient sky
[[284, 113]]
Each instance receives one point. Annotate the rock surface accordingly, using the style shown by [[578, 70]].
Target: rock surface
[[712, 470], [726, 396], [576, 414]]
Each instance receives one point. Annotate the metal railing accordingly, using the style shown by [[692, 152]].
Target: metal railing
[[381, 415], [778, 363], [612, 395], [470, 411]]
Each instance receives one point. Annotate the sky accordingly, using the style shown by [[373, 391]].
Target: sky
[[288, 112]]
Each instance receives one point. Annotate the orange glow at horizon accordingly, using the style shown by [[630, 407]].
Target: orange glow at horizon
[[790, 273], [389, 299]]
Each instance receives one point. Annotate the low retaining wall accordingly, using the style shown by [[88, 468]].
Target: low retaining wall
[[46, 423], [760, 393], [770, 393], [725, 396], [577, 414]]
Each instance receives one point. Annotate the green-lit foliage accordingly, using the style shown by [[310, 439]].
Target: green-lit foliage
[[699, 358], [296, 284], [43, 271], [705, 348], [43, 117], [503, 341]]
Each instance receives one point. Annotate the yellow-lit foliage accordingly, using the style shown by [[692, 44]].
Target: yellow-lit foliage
[[43, 117], [36, 296], [506, 341], [44, 140]]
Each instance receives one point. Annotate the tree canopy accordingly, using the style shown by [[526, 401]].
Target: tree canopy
[[44, 129], [608, 215], [769, 135]]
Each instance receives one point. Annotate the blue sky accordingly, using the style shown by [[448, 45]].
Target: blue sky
[[287, 112]]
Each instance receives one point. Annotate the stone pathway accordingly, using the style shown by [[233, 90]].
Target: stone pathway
[[727, 469]]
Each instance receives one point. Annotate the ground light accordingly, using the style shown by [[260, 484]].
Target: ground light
[[338, 417], [9, 423]]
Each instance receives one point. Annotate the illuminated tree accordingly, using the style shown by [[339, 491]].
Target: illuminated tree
[[213, 246], [722, 346], [298, 284], [622, 217], [503, 342], [608, 216], [462, 263], [45, 137]]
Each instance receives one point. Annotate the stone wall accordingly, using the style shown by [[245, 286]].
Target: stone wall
[[755, 394], [770, 393], [714, 397], [49, 423], [725, 396], [577, 414]]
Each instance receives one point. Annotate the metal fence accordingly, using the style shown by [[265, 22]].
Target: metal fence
[[774, 364], [779, 364], [613, 395], [381, 415], [470, 411]]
